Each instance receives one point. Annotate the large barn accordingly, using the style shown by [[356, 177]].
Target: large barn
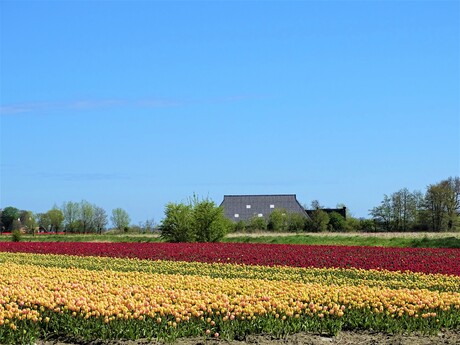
[[244, 207]]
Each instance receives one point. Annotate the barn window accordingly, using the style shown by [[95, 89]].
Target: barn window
[[260, 215], [237, 215], [248, 206], [272, 206]]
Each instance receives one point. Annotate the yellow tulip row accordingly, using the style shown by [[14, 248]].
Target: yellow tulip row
[[28, 290], [324, 276]]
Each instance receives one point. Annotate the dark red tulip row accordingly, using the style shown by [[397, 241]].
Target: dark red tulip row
[[427, 260]]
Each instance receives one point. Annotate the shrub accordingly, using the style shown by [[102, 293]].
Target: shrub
[[296, 222], [200, 221], [257, 224], [176, 227], [352, 224], [209, 222], [367, 225], [239, 226], [336, 222], [16, 236], [278, 220], [319, 221]]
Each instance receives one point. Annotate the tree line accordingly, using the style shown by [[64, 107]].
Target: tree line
[[203, 221], [281, 220], [71, 217], [438, 209]]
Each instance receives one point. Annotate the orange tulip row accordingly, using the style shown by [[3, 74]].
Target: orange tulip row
[[26, 291]]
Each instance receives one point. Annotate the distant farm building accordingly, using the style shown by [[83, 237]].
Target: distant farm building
[[244, 207]]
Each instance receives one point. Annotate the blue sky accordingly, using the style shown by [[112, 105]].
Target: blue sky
[[135, 104]]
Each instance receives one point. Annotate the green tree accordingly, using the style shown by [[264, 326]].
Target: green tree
[[72, 215], [366, 225], [27, 219], [404, 209], [336, 222], [199, 220], [120, 219], [423, 221], [9, 215], [44, 221], [257, 223], [443, 203], [278, 220], [16, 226], [16, 235], [239, 226], [56, 218], [319, 221], [87, 217], [176, 226], [452, 184], [209, 221], [398, 212], [382, 214], [296, 222]]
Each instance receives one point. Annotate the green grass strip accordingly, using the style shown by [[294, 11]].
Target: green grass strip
[[299, 238]]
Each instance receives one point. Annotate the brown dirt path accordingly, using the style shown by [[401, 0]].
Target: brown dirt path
[[343, 338]]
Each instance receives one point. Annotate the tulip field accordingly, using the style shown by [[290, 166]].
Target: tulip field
[[89, 291]]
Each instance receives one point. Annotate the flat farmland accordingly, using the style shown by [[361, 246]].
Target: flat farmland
[[190, 293]]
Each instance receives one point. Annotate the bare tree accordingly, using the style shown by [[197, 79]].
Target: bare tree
[[383, 215], [315, 205], [452, 184], [87, 216], [404, 209], [443, 203], [148, 225], [100, 219], [399, 211]]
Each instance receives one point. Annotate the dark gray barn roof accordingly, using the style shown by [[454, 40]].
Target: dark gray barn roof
[[244, 207]]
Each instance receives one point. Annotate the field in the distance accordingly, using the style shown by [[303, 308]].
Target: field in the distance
[[400, 239]]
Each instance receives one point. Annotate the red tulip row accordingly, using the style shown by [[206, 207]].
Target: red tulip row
[[426, 260]]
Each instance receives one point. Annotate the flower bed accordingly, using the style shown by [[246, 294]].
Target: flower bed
[[100, 297], [426, 260]]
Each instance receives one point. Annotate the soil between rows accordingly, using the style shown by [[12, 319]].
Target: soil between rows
[[343, 338]]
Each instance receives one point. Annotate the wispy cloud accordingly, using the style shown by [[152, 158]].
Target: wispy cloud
[[85, 176], [91, 104], [31, 107], [235, 98]]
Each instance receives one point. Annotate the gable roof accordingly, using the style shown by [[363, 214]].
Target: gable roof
[[244, 207]]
